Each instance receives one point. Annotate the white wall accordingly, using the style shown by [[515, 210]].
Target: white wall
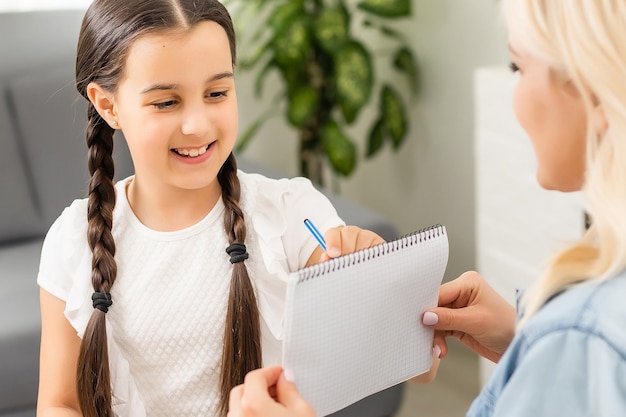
[[431, 179]]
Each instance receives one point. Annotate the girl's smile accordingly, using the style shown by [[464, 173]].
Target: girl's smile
[[193, 155]]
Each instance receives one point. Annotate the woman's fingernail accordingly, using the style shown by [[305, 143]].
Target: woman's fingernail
[[289, 376], [333, 252], [437, 351], [430, 318]]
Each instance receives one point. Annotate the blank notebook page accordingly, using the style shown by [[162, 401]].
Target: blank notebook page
[[353, 324]]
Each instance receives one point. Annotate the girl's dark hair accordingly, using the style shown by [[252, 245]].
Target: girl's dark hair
[[107, 32]]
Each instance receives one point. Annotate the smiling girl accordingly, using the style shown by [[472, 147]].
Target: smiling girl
[[161, 291]]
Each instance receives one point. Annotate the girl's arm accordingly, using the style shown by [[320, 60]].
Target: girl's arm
[[60, 346]]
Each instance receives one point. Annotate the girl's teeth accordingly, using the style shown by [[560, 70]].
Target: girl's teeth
[[192, 153]]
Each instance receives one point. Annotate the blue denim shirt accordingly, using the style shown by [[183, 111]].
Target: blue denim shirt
[[568, 360]]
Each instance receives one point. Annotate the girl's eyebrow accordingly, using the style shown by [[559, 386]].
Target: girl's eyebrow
[[221, 75], [160, 87]]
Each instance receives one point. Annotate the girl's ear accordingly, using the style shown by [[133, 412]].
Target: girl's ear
[[102, 100]]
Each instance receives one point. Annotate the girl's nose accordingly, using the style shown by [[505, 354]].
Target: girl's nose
[[196, 119]]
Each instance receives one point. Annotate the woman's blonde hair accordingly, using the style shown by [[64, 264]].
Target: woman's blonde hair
[[585, 42]]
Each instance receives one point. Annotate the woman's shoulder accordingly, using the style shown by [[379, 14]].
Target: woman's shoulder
[[579, 336], [592, 308]]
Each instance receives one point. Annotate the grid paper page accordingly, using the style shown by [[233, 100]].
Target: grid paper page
[[353, 324]]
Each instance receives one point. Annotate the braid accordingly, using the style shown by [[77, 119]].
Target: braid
[[242, 334], [93, 374]]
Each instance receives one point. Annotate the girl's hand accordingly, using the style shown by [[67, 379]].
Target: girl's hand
[[348, 239], [266, 393], [343, 240], [474, 313]]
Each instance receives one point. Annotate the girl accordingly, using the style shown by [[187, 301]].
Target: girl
[[159, 292], [568, 356]]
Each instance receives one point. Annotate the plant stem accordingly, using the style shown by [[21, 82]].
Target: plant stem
[[320, 73], [310, 157]]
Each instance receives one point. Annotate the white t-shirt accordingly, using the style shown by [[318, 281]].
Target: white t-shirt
[[165, 327]]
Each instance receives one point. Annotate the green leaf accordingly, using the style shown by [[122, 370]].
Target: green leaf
[[354, 75], [283, 15], [258, 83], [292, 47], [392, 33], [393, 115], [253, 128], [404, 61], [249, 133], [339, 148], [303, 104], [293, 77], [387, 8], [331, 28], [252, 60], [376, 138]]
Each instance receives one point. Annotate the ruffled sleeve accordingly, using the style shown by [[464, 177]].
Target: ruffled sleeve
[[65, 266], [277, 209]]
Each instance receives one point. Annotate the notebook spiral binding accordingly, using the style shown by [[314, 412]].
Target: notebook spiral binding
[[363, 255]]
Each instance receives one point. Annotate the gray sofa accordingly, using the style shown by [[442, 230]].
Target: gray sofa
[[43, 168]]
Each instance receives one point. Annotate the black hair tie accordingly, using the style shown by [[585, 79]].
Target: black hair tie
[[237, 252], [102, 301]]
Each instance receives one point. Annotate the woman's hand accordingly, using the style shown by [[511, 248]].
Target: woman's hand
[[266, 393], [474, 313]]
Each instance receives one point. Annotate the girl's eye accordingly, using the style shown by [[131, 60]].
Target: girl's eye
[[217, 94], [513, 67], [164, 105]]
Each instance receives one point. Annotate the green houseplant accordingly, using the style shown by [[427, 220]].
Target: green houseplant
[[328, 74]]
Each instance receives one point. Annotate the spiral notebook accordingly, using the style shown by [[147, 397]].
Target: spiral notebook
[[353, 324]]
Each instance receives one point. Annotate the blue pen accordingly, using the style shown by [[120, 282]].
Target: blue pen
[[316, 233]]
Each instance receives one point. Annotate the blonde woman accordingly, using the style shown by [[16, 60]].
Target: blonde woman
[[566, 356]]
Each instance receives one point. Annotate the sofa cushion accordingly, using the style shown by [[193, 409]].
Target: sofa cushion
[[37, 38], [18, 215], [20, 325], [55, 145]]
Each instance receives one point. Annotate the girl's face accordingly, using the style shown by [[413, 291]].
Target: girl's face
[[177, 107], [553, 115]]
